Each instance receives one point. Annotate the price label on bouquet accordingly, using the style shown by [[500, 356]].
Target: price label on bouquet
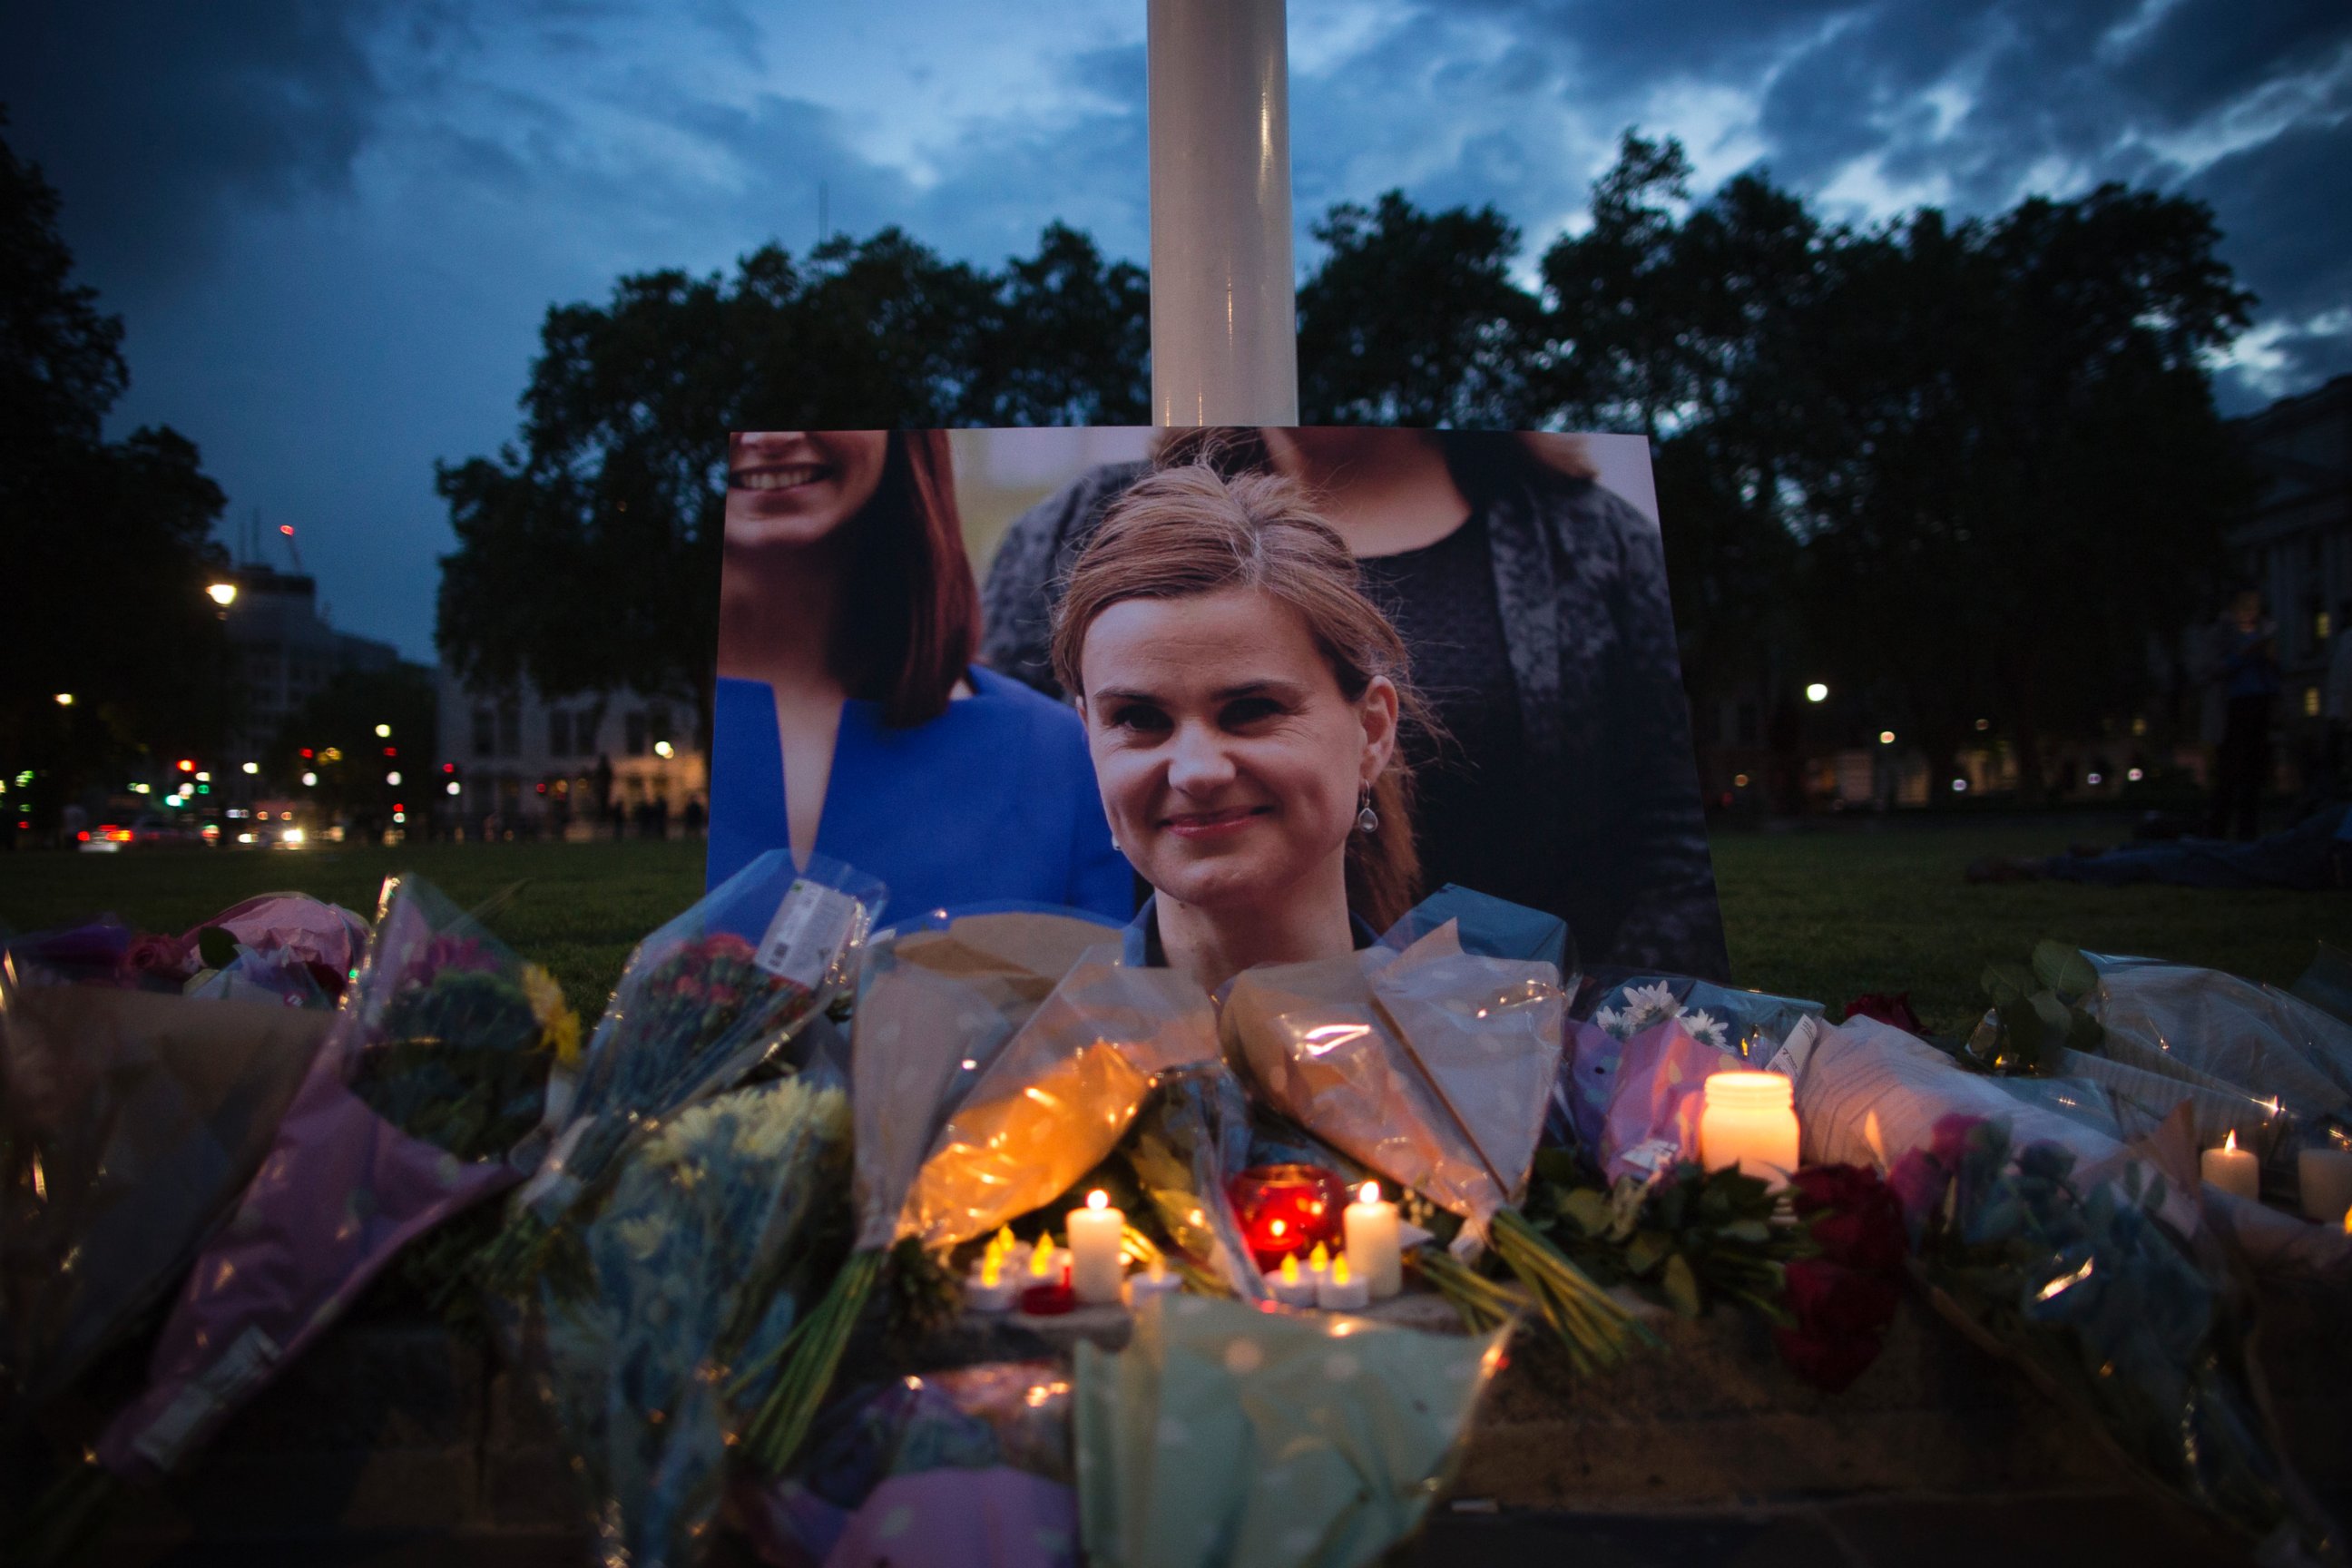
[[812, 926]]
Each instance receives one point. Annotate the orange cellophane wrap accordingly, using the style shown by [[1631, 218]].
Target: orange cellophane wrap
[[1055, 1101], [1431, 1066]]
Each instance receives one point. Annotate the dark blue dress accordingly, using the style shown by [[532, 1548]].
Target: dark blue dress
[[992, 802]]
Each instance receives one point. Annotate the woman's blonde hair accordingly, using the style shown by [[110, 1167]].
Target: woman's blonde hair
[[1191, 530]]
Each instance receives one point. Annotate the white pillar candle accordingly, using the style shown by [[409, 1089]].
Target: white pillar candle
[[1341, 1288], [2233, 1170], [1372, 1250], [1290, 1284], [2326, 1175], [1748, 1121], [1096, 1270]]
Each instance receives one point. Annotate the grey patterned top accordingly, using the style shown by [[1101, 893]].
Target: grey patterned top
[[1580, 584]]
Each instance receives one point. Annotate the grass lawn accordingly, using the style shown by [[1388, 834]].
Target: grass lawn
[[1825, 911]]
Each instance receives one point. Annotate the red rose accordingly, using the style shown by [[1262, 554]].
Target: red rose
[[1888, 1008], [1831, 1299], [1826, 1364], [1856, 1219]]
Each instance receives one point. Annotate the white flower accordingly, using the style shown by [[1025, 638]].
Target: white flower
[[1612, 1021], [1707, 1031], [1644, 1006]]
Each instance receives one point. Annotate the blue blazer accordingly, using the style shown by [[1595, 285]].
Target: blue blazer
[[991, 801]]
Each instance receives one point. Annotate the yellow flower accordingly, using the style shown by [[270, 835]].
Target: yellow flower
[[559, 1024]]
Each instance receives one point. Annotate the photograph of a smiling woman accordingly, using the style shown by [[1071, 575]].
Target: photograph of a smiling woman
[[850, 718]]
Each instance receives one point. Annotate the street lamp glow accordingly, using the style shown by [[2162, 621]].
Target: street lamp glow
[[664, 749], [309, 780], [222, 593], [65, 699], [253, 767], [203, 778], [1817, 692], [1886, 737], [455, 788], [383, 731], [393, 777]]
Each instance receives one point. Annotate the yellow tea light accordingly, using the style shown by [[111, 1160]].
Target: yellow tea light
[[1041, 1260], [1289, 1285], [1154, 1280], [1318, 1262], [988, 1289], [1341, 1290]]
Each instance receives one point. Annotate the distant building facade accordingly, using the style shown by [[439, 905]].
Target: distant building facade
[[2296, 546], [282, 652], [524, 765]]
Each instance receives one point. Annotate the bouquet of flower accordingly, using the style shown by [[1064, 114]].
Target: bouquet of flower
[[966, 1120], [129, 1120], [1433, 1067], [701, 1001], [1191, 1138], [2112, 1309], [438, 1061], [717, 1223]]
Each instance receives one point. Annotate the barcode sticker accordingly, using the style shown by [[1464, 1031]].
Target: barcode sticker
[[805, 938]]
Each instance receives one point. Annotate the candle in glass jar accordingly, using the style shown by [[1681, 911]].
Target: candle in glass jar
[[2326, 1175], [1373, 1252], [1096, 1270], [1748, 1121], [2233, 1170]]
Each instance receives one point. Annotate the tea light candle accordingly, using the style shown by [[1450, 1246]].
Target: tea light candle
[[1372, 1250], [2233, 1170], [2326, 1175], [989, 1287], [1318, 1265], [1749, 1120], [1340, 1289], [1154, 1280], [1290, 1284], [1096, 1270], [1042, 1267]]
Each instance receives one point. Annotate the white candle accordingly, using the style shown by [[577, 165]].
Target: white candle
[[2233, 1170], [1749, 1120], [991, 1288], [1096, 1270], [2326, 1175], [1341, 1290], [1372, 1250], [1290, 1284]]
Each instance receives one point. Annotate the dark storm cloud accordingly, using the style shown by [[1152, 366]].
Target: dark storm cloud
[[157, 119]]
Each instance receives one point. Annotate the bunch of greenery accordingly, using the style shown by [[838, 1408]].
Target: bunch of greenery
[[2037, 1010], [1697, 1237]]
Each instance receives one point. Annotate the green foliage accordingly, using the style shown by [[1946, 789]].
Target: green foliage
[[2037, 1011], [1697, 1237], [109, 542]]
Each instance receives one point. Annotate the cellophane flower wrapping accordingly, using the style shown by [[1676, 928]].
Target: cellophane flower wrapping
[[438, 1063], [1055, 1099], [1224, 1434], [1620, 1008], [2129, 1321], [1431, 1066], [701, 1001], [131, 1118], [720, 1222], [983, 1420]]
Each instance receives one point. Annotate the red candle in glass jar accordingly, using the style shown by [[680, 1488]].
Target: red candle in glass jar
[[1284, 1210]]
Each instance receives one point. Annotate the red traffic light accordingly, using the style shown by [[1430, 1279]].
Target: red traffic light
[[448, 767], [188, 767]]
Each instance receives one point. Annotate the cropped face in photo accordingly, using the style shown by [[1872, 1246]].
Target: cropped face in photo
[[795, 488], [1230, 763]]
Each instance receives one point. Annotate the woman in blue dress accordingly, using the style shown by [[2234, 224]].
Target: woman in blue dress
[[849, 719]]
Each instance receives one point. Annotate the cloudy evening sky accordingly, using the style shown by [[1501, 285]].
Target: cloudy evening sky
[[332, 229]]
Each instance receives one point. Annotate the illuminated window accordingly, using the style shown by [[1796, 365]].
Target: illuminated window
[[2310, 702]]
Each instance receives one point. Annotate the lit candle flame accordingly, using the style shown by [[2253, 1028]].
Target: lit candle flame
[[1004, 1242], [1041, 1262], [1097, 1199], [991, 1270], [1340, 1275], [1318, 1259], [1277, 1229], [1290, 1270], [1369, 1193], [2231, 1141]]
